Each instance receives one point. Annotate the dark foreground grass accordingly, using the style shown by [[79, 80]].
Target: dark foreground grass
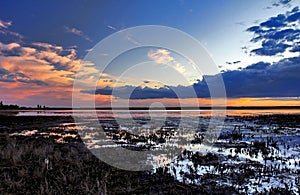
[[39, 165]]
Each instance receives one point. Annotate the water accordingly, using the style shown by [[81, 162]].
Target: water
[[281, 166], [174, 113]]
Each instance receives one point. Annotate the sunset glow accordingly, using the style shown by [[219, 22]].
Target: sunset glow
[[255, 47]]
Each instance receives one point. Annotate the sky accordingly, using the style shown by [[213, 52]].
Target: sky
[[253, 44]]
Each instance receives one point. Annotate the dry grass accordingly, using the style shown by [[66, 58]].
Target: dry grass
[[72, 169]]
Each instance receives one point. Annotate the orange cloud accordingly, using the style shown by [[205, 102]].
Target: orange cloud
[[38, 64]]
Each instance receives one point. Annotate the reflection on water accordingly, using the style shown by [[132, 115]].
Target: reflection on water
[[137, 113], [257, 148]]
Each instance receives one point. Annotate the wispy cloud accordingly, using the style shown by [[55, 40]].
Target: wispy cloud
[[77, 32], [4, 29], [111, 27], [160, 56], [163, 56], [48, 46], [241, 23], [129, 38], [5, 24], [277, 3], [180, 68]]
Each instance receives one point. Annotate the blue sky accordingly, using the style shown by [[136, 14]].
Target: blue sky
[[218, 24], [58, 34]]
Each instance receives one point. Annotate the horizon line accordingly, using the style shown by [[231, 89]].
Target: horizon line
[[164, 108]]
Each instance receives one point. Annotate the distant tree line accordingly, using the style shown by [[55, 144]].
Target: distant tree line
[[14, 107], [10, 106]]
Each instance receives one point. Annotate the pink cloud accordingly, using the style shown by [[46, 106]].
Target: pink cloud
[[5, 24]]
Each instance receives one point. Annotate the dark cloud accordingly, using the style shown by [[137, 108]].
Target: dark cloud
[[277, 21], [16, 51], [295, 16], [150, 93], [281, 2], [245, 49], [258, 66], [255, 29], [3, 71], [108, 80], [285, 34], [6, 80], [265, 80], [6, 76], [277, 34], [261, 79], [270, 48], [37, 82], [284, 1], [296, 48], [234, 62], [132, 92], [295, 9]]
